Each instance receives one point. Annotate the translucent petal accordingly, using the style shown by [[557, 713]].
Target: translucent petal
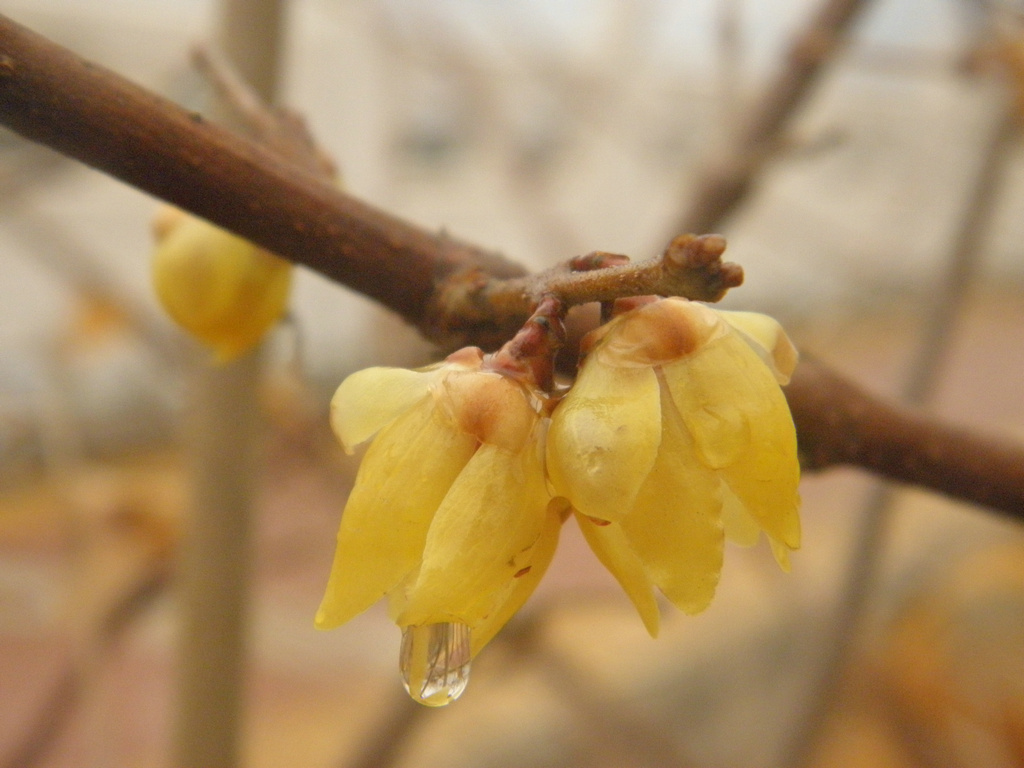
[[369, 399], [403, 478], [766, 337], [613, 549], [716, 419], [398, 595], [740, 527], [676, 525], [525, 583], [219, 287], [781, 552], [740, 421], [481, 537], [604, 438]]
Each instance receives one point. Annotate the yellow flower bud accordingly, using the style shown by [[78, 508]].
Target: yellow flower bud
[[675, 434], [222, 289], [450, 516]]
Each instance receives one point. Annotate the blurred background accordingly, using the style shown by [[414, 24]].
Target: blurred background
[[885, 232]]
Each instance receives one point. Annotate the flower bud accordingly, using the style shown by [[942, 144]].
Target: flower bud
[[222, 289]]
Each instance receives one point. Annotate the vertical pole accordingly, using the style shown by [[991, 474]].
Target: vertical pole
[[224, 437], [213, 583], [250, 34]]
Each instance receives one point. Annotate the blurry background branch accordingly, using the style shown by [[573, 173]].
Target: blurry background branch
[[104, 121], [727, 180], [150, 573]]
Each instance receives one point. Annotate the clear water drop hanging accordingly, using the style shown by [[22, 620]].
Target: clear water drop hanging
[[434, 661]]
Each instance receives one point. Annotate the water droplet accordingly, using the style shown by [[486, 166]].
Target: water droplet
[[435, 662]]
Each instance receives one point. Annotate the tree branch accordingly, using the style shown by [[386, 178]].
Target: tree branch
[[838, 423], [53, 97]]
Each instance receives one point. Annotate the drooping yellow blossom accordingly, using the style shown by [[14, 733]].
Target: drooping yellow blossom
[[676, 434], [224, 290], [450, 516]]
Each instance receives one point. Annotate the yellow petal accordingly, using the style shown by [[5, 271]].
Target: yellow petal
[[491, 407], [766, 337], [481, 536], [540, 558], [613, 549], [604, 438], [398, 594], [716, 418], [369, 399], [405, 474], [221, 288], [740, 527], [675, 528], [656, 333], [740, 421]]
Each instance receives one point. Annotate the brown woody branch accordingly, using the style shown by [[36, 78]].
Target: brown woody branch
[[838, 423], [50, 95], [443, 286]]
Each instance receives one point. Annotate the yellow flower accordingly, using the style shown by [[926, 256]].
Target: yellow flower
[[450, 516], [675, 434], [222, 289]]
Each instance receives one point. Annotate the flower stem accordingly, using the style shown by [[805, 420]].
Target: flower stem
[[530, 354]]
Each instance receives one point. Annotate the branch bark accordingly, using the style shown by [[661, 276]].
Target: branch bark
[[53, 97], [839, 423]]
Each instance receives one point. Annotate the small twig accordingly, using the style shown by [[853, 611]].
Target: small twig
[[277, 129], [691, 266], [530, 355], [249, 114]]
